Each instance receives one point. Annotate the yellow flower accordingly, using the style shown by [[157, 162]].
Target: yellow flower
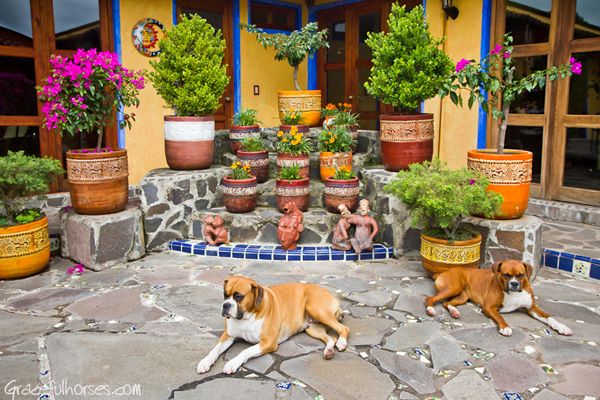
[[247, 168], [233, 166], [284, 140], [298, 136], [293, 130], [279, 134], [331, 141]]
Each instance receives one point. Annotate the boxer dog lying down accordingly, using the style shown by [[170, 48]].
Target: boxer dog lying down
[[268, 316], [501, 289]]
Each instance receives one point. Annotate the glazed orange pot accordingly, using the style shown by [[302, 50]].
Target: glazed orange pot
[[437, 255], [307, 101], [24, 249], [405, 139], [509, 174], [329, 161]]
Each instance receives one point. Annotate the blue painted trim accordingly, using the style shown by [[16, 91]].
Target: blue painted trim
[[425, 7], [486, 28], [116, 13], [237, 58], [298, 7], [311, 63], [174, 12]]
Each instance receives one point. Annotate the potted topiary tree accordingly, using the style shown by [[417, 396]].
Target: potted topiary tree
[[408, 68], [245, 125], [335, 145], [254, 154], [190, 77], [438, 199], [294, 48], [24, 240]]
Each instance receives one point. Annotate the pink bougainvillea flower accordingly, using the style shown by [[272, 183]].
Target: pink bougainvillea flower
[[576, 67], [506, 54], [572, 60], [462, 64], [77, 268], [472, 181], [496, 49]]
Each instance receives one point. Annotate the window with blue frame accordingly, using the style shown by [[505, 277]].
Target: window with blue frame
[[273, 15]]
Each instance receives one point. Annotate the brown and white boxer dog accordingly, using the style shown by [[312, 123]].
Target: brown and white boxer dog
[[269, 315], [501, 289]]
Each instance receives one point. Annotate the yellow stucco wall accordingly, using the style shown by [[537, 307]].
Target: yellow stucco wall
[[145, 142]]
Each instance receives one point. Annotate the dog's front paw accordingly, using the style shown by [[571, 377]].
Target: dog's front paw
[[560, 328], [454, 311], [431, 311], [232, 366], [204, 365], [341, 344], [506, 331]]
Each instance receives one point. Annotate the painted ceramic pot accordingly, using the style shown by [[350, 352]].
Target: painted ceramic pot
[[258, 161], [24, 249], [307, 101], [98, 182], [341, 192], [329, 161], [509, 174], [437, 255], [405, 139], [189, 141], [286, 160], [239, 133], [297, 192], [239, 194]]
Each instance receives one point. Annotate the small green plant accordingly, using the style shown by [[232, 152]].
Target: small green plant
[[20, 177], [291, 117], [291, 172], [293, 47], [190, 75], [239, 172], [408, 64], [246, 117], [251, 144], [438, 199], [343, 174], [293, 142], [336, 140], [342, 116]]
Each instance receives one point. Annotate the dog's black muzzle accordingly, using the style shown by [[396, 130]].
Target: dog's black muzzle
[[226, 309], [513, 286]]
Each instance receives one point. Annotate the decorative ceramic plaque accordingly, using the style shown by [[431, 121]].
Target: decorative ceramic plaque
[[146, 35]]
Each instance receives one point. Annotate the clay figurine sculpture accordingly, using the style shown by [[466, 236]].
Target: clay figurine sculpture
[[363, 237], [214, 232], [340, 232], [290, 226]]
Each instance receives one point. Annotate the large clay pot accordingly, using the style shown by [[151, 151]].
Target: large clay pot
[[98, 182], [189, 141], [341, 192], [297, 192], [258, 161], [239, 194], [329, 161], [286, 160], [405, 139], [24, 249], [437, 255], [239, 133], [509, 174], [307, 101]]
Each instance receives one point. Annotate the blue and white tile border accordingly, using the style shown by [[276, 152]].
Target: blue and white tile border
[[275, 253], [578, 265]]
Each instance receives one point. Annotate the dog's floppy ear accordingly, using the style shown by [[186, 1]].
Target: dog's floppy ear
[[259, 293], [529, 269], [496, 267], [225, 283]]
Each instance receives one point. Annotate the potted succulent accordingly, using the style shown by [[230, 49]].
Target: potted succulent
[[239, 189], [191, 77], [344, 117], [408, 68], [254, 154], [438, 199], [25, 244], [341, 188], [83, 94], [292, 186], [509, 171], [245, 125], [294, 48], [293, 147], [335, 145]]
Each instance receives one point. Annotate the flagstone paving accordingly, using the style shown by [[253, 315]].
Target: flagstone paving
[[146, 324]]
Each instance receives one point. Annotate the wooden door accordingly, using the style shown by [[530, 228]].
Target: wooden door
[[219, 15]]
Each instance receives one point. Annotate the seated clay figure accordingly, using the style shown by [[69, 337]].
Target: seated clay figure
[[214, 232], [340, 232], [363, 237], [290, 226]]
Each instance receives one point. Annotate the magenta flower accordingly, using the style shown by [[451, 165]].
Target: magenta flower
[[462, 64], [506, 54], [496, 49], [77, 268], [472, 181], [575, 66]]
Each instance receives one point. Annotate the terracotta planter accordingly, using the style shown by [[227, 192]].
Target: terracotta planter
[[405, 139], [286, 160], [509, 174], [297, 192], [258, 162], [98, 182], [341, 192], [239, 195], [328, 161], [307, 101], [239, 133], [24, 249], [438, 255], [301, 128], [189, 141]]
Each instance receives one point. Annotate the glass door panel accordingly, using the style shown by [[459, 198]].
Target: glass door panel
[[529, 102], [16, 138], [367, 23], [76, 24], [17, 86], [528, 20], [584, 91], [336, 36], [15, 24], [528, 138], [336, 92], [587, 19], [582, 161]]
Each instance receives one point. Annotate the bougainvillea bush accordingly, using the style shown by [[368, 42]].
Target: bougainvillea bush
[[83, 94]]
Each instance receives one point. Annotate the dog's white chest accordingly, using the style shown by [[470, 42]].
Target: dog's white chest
[[514, 300], [248, 329]]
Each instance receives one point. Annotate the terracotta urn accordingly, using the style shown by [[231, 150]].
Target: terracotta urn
[[189, 141], [438, 255], [239, 194], [329, 161], [258, 161], [286, 160], [339, 192], [297, 192], [239, 133], [307, 101], [24, 249], [405, 139]]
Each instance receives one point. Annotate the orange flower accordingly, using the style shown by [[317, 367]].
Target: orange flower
[[284, 140], [330, 107], [280, 133], [293, 130]]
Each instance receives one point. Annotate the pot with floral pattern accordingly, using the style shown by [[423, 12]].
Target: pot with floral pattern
[[341, 191], [405, 139], [258, 161], [294, 191], [239, 189], [294, 148]]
